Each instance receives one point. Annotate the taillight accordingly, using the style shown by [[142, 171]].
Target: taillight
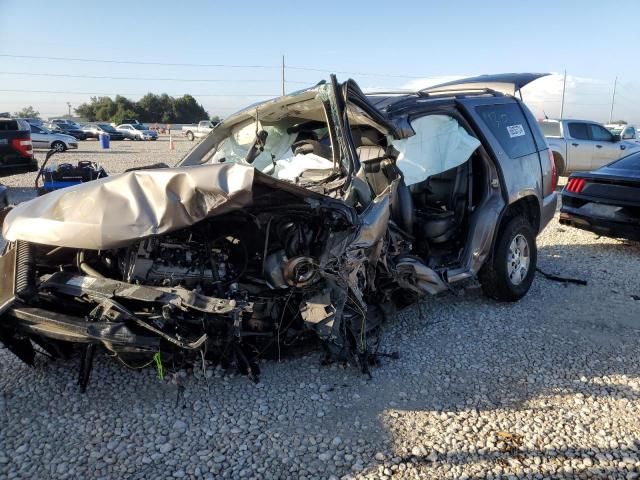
[[575, 185], [24, 147], [554, 171]]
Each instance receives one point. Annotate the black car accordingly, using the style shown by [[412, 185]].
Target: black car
[[16, 149], [93, 130], [68, 129], [605, 201]]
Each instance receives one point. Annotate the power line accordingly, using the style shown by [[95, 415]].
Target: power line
[[231, 80], [133, 94], [136, 62], [215, 65]]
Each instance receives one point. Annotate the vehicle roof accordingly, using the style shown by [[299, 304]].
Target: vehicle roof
[[570, 120], [507, 83], [392, 102]]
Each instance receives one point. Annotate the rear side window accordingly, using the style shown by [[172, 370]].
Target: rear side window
[[550, 129], [579, 131], [509, 126], [9, 125]]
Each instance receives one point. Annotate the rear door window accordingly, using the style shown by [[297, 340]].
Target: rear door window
[[509, 125], [579, 131]]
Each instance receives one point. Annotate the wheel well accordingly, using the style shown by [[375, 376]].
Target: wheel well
[[527, 206], [560, 165]]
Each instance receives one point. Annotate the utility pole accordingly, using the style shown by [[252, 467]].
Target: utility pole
[[613, 99], [69, 107], [283, 75], [564, 87]]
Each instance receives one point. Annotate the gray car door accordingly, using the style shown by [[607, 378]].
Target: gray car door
[[606, 148], [39, 138], [579, 146]]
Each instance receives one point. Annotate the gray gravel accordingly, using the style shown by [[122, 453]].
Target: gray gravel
[[548, 387]]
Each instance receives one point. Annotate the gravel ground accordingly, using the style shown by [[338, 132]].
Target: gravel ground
[[548, 387]]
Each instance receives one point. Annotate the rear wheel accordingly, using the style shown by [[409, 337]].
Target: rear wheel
[[190, 136], [508, 274], [58, 146], [557, 159]]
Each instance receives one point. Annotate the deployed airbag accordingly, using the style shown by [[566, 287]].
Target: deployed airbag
[[439, 144], [291, 168]]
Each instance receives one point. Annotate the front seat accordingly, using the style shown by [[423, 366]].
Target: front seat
[[380, 171], [443, 200]]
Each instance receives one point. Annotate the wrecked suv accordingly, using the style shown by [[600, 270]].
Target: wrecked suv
[[305, 218]]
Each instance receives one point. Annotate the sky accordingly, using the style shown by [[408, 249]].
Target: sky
[[228, 54]]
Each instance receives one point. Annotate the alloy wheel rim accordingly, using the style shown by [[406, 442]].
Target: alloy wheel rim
[[518, 259]]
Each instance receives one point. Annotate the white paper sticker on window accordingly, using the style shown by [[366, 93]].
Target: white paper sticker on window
[[81, 281], [515, 131]]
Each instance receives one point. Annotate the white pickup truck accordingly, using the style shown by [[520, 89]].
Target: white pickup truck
[[583, 145], [202, 129]]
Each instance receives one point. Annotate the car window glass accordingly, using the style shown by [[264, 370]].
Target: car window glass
[[550, 129], [509, 126], [578, 131], [599, 133], [629, 133], [631, 162]]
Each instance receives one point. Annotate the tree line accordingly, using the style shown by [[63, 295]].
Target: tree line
[[151, 108]]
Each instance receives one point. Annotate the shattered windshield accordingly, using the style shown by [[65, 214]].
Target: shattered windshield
[[282, 140]]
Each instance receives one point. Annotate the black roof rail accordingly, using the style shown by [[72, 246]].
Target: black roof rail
[[461, 92], [394, 92]]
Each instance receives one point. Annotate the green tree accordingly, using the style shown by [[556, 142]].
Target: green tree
[[150, 108], [27, 112], [216, 119], [188, 110]]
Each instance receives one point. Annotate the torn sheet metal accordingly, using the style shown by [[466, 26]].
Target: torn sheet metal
[[115, 211], [440, 143]]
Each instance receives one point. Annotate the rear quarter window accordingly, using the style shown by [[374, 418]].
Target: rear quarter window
[[550, 129], [9, 125], [508, 124]]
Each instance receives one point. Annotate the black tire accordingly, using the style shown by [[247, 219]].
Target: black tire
[[190, 136], [557, 159], [59, 146], [494, 275]]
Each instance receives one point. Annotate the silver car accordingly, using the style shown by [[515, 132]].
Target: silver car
[[137, 132], [44, 138]]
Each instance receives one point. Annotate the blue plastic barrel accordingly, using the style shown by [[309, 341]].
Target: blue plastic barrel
[[104, 140]]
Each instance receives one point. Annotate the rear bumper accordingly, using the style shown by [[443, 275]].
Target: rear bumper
[[28, 165], [548, 209], [608, 226]]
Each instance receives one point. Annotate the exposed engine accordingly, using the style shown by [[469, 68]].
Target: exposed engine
[[172, 260]]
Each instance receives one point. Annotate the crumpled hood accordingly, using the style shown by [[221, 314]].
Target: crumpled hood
[[114, 211]]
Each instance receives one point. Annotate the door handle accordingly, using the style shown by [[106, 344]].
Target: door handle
[[598, 146], [575, 144], [622, 147]]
